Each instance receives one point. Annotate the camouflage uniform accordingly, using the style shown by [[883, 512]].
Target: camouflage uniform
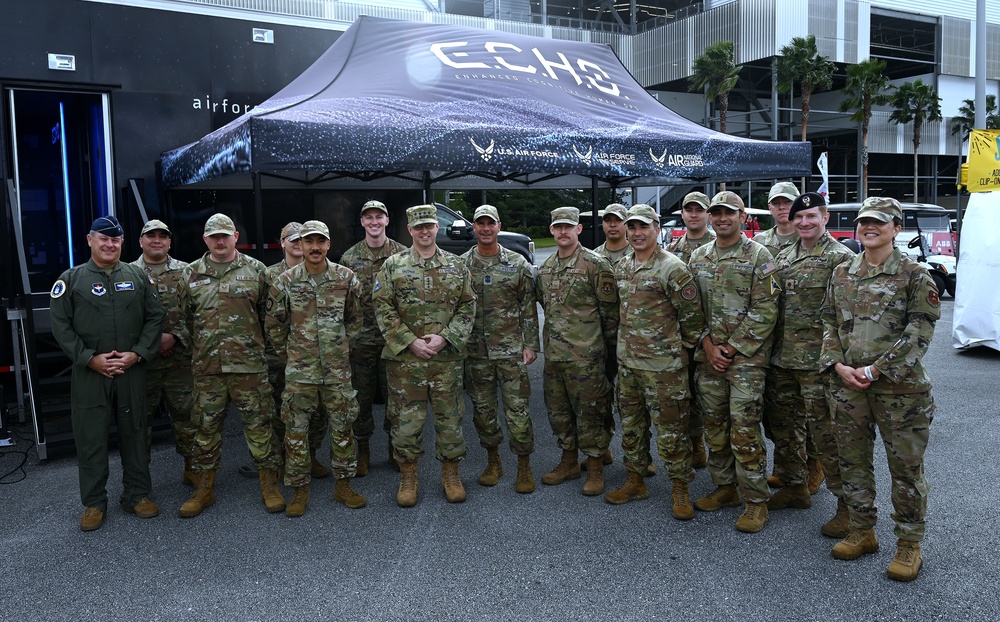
[[415, 297], [224, 312], [661, 319], [801, 390], [580, 299], [883, 317], [171, 378], [316, 317], [614, 257], [775, 243], [610, 361], [506, 324], [682, 247], [367, 366], [739, 296]]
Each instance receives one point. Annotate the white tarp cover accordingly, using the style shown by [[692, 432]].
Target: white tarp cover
[[977, 294]]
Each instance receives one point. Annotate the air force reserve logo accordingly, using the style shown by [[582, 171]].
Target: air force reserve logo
[[58, 289], [98, 289]]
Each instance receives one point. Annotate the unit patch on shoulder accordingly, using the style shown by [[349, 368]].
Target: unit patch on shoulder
[[775, 288], [689, 292], [932, 297], [377, 286], [58, 289]]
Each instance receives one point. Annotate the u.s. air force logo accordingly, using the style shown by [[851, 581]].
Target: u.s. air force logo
[[58, 289], [486, 153]]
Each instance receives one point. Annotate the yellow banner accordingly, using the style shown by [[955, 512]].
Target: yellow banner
[[984, 161]]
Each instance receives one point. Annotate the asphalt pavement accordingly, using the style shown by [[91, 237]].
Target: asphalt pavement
[[551, 555]]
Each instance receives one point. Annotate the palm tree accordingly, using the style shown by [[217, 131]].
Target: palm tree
[[715, 74], [916, 102], [800, 62], [965, 120], [866, 82]]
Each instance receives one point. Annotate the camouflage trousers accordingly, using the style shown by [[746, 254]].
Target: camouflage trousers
[[317, 426], [412, 384], [731, 405], [251, 394], [578, 398], [482, 376], [302, 404], [174, 384], [367, 375], [773, 401], [802, 409], [696, 423], [660, 398], [904, 423]]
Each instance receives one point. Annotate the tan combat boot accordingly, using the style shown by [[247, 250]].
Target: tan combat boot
[[650, 469], [839, 525], [699, 457], [566, 469], [724, 496], [796, 496], [188, 473], [300, 501], [407, 495], [857, 543], [525, 480], [816, 475], [606, 459], [634, 489], [595, 477], [203, 495], [269, 492], [494, 468], [774, 481], [682, 502], [365, 457], [345, 494], [317, 470], [906, 564], [92, 519], [454, 492], [753, 518]]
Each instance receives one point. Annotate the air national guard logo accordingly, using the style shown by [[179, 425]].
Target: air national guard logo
[[58, 289], [98, 289]]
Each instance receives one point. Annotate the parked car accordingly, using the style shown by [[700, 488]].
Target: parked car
[[456, 236]]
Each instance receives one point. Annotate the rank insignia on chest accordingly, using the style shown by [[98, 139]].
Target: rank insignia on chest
[[98, 289], [487, 279], [428, 282], [124, 286]]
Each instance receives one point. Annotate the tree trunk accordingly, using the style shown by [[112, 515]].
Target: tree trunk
[[916, 162]]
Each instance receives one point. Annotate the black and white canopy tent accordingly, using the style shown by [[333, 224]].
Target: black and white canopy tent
[[411, 104]]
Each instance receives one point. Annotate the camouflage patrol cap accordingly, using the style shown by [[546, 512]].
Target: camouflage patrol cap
[[155, 225], [379, 205], [643, 213], [783, 189], [880, 208], [291, 232], [421, 214], [698, 198], [565, 215], [486, 210], [616, 209], [729, 200], [219, 223], [806, 201], [314, 227]]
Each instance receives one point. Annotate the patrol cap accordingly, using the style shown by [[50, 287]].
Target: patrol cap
[[565, 215], [616, 209], [421, 214], [107, 225], [486, 210], [373, 204], [219, 223], [729, 200], [698, 198], [314, 227], [806, 201], [880, 208], [783, 189], [291, 232], [155, 225], [643, 213]]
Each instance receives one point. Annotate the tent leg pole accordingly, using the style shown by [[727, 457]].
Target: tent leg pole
[[258, 208], [427, 188], [595, 207]]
